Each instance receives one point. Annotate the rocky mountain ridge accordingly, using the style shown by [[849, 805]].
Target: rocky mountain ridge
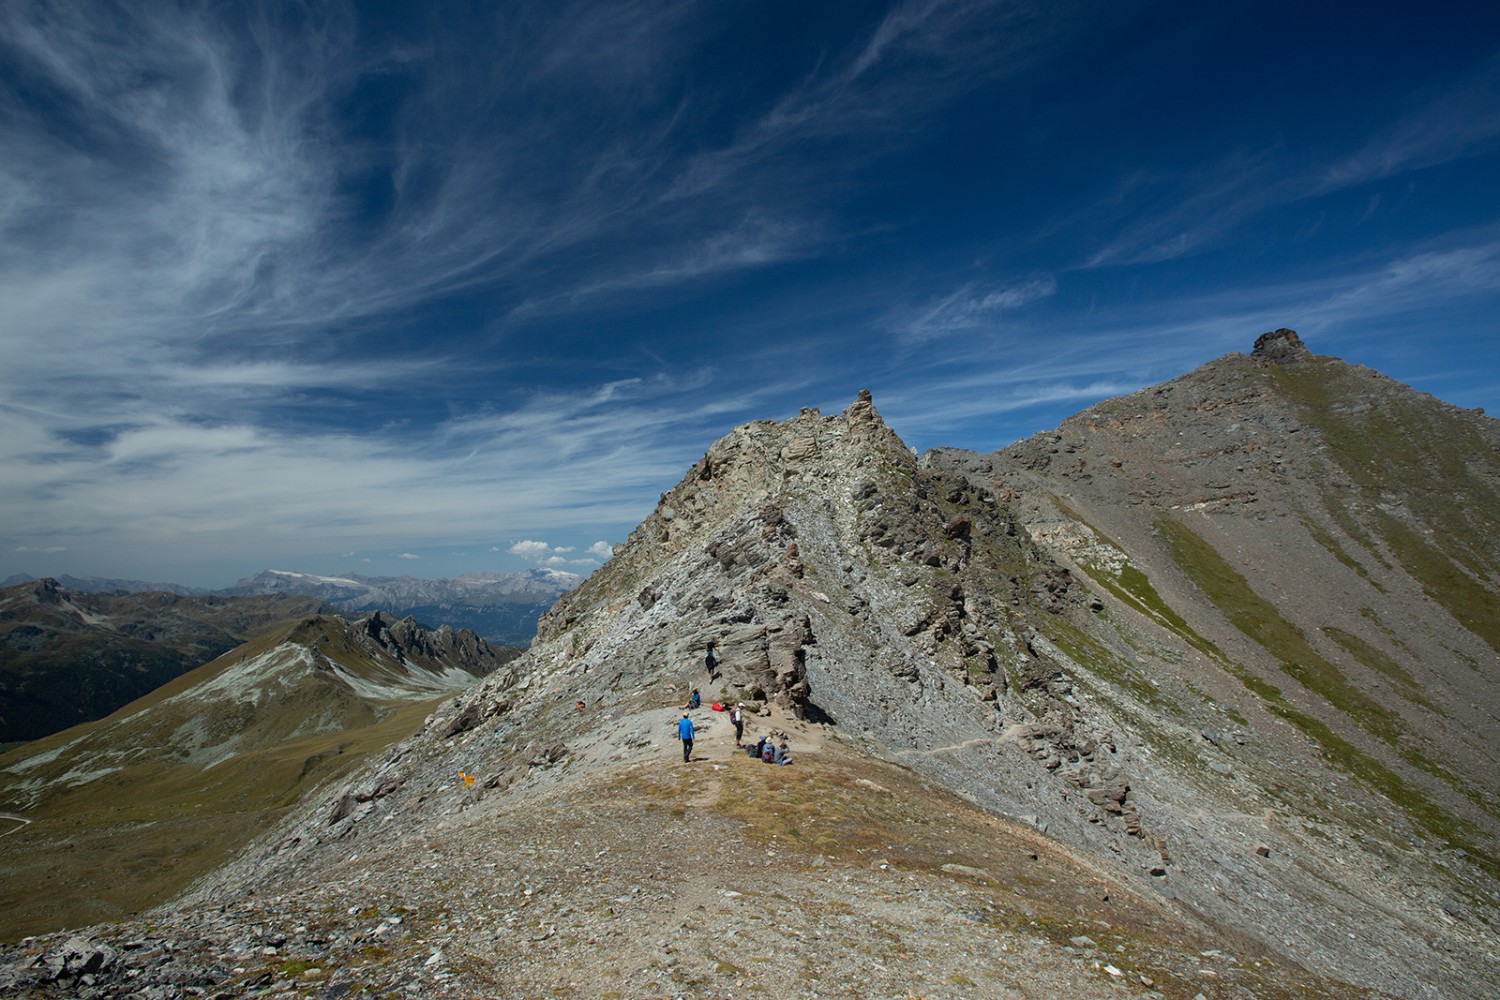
[[106, 585], [1155, 689]]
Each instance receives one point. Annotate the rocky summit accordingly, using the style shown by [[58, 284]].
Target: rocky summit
[[1188, 698]]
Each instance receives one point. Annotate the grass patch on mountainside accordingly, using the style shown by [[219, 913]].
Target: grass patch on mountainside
[[1092, 655], [1470, 601], [1133, 588], [1435, 460], [134, 838], [1259, 620], [1382, 664], [1324, 538]]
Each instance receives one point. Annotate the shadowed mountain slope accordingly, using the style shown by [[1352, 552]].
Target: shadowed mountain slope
[[68, 657], [125, 811]]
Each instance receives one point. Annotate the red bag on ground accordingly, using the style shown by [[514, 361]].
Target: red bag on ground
[[717, 707]]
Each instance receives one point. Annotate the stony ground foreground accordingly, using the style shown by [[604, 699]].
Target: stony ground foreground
[[642, 876]]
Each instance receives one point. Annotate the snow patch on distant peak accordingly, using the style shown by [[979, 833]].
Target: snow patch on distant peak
[[341, 581]]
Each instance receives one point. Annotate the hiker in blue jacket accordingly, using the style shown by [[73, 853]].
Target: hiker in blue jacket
[[685, 734]]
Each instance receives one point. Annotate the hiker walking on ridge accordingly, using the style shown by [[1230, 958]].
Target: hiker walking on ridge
[[685, 734]]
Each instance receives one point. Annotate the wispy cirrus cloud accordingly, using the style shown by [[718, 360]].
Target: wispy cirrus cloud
[[970, 307], [272, 280], [1164, 215], [1439, 126]]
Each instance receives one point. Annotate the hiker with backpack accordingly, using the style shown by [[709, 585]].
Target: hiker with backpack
[[737, 717], [709, 661], [685, 734]]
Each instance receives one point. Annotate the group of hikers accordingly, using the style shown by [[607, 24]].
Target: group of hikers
[[771, 752], [767, 749]]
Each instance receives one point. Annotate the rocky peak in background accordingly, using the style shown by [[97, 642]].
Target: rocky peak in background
[[405, 639], [102, 585], [1280, 346], [46, 591]]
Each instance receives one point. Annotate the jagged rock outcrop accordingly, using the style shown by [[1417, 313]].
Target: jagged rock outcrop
[[1280, 346]]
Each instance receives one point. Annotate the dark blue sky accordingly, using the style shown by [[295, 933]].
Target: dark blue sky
[[394, 288]]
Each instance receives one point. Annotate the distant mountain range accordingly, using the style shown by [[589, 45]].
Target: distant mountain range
[[103, 585], [130, 808], [500, 607], [68, 657]]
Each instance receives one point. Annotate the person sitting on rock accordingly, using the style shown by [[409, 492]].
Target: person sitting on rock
[[780, 754], [694, 700]]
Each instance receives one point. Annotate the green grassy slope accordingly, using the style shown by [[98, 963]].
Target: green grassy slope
[[126, 811]]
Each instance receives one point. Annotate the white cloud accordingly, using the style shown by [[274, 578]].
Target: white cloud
[[533, 551], [602, 549], [408, 555], [1176, 215]]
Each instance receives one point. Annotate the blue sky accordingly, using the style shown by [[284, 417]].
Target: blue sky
[[463, 287]]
